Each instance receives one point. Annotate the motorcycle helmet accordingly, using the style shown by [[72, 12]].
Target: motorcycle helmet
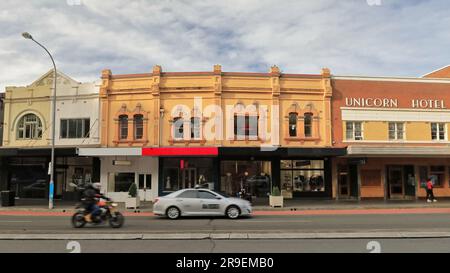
[[97, 186]]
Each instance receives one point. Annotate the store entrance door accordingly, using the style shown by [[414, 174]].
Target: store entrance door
[[189, 177], [396, 187]]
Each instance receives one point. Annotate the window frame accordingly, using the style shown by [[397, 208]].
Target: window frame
[[246, 129], [308, 126], [123, 127], [293, 132], [65, 128], [33, 127], [178, 133], [136, 126], [396, 131], [353, 132], [439, 131]]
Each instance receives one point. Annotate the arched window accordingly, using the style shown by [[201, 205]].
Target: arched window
[[178, 128], [195, 128], [123, 126], [138, 126], [308, 124], [29, 127], [293, 124]]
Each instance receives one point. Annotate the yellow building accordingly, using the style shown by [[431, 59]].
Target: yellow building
[[27, 139], [229, 130]]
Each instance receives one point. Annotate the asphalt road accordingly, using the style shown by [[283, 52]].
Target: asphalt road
[[282, 224], [229, 246]]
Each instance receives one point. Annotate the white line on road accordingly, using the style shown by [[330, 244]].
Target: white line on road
[[7, 221]]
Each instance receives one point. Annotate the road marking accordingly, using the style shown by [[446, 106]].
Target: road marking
[[7, 221], [274, 221]]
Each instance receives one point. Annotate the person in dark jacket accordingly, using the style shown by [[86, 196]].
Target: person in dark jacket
[[91, 196]]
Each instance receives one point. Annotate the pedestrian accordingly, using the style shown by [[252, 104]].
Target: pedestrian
[[430, 195]]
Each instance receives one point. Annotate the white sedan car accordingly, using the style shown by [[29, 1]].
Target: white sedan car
[[200, 202]]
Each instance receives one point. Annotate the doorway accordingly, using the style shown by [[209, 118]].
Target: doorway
[[396, 189], [145, 187], [188, 177], [343, 182]]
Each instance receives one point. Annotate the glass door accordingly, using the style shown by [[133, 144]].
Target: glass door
[[395, 181]]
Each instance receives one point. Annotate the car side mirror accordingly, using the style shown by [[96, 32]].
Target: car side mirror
[[218, 197]]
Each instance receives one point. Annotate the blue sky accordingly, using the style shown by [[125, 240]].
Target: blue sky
[[351, 37]]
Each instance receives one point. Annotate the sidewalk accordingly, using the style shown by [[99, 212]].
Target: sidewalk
[[294, 206]]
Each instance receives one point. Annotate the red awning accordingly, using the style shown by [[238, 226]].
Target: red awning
[[178, 151]]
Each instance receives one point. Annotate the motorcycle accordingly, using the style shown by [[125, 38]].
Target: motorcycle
[[108, 213]]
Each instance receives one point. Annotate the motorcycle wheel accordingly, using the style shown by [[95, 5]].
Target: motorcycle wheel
[[78, 220], [117, 220]]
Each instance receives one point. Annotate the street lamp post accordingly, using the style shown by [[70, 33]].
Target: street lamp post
[[27, 35]]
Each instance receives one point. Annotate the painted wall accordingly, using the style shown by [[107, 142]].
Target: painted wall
[[139, 165], [74, 100], [375, 119], [171, 91], [79, 101]]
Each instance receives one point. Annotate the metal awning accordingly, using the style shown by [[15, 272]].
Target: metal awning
[[109, 151]]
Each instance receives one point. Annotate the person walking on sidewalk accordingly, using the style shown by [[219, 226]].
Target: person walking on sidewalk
[[430, 195]]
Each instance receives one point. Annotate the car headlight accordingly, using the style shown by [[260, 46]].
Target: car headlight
[[114, 204]]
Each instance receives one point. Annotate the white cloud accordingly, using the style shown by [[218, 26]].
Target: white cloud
[[398, 38]]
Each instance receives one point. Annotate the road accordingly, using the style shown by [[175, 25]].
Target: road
[[370, 225], [228, 246], [282, 224]]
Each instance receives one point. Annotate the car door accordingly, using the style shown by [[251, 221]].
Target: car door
[[188, 202], [210, 203]]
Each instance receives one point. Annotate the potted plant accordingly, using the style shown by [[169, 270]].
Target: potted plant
[[133, 197], [275, 198]]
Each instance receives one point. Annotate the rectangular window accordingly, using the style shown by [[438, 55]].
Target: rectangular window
[[74, 128], [123, 181], [303, 175], [246, 126], [437, 173], [138, 126], [353, 130], [396, 131], [438, 131]]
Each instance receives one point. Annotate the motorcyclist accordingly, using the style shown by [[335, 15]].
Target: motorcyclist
[[91, 196]]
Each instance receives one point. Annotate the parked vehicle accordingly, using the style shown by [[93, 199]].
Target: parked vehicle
[[200, 202]]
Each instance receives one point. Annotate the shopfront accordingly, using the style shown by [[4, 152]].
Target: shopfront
[[26, 172], [187, 172], [297, 172], [182, 168]]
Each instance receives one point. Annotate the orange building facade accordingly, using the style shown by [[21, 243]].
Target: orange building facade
[[396, 134], [230, 131]]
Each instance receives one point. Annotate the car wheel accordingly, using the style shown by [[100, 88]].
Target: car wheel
[[232, 212], [173, 213]]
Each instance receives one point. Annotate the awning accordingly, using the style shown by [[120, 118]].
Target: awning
[[37, 151], [109, 151], [181, 151], [410, 151], [280, 152]]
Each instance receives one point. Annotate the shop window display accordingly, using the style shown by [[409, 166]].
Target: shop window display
[[252, 177], [302, 176], [182, 173]]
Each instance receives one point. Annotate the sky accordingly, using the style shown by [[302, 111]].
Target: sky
[[351, 37]]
